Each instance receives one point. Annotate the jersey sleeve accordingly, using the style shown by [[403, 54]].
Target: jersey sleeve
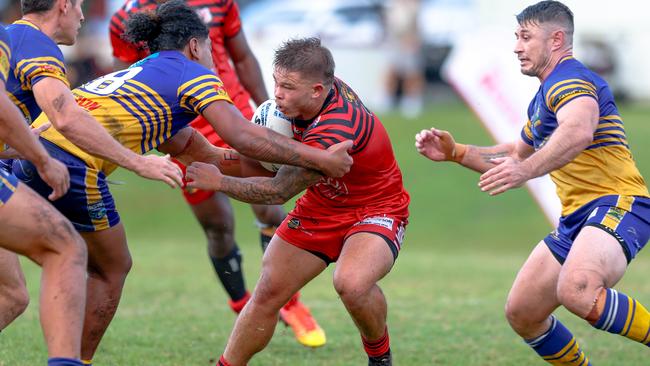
[[232, 21], [199, 89], [527, 133], [36, 63], [563, 91], [5, 54]]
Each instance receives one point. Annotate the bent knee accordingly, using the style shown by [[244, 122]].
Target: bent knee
[[16, 297], [578, 292], [349, 290]]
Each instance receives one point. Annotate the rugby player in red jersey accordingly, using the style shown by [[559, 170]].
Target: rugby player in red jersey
[[213, 209], [356, 221]]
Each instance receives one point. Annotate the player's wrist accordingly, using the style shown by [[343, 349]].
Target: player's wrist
[[458, 153]]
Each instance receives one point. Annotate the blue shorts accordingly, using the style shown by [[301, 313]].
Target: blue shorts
[[8, 185], [88, 204], [626, 218]]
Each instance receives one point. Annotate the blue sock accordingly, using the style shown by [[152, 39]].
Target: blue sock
[[62, 361], [558, 346], [625, 316]]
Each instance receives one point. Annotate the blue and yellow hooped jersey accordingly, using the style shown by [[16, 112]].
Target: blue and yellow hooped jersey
[[5, 53], [35, 56], [606, 167], [144, 105]]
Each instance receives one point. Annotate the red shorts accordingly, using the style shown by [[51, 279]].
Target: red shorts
[[325, 236], [196, 196]]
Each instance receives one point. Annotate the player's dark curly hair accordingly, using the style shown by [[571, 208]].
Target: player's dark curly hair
[[306, 56], [548, 12], [38, 6], [170, 27]]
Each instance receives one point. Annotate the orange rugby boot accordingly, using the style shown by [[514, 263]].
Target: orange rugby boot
[[297, 316]]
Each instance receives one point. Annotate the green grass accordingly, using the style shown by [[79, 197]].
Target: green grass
[[446, 293]]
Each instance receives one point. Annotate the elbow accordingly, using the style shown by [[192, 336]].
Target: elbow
[[584, 139]]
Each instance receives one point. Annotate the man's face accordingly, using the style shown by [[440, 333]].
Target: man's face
[[293, 93], [71, 22], [533, 48]]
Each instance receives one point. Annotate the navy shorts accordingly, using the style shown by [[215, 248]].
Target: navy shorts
[[88, 204], [626, 218]]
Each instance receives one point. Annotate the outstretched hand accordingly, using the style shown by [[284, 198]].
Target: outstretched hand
[[160, 168], [339, 160], [437, 145], [203, 176], [509, 173]]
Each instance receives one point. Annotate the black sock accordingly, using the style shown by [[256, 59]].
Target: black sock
[[229, 271], [266, 234]]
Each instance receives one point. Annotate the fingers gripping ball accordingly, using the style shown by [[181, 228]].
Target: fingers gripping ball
[[267, 115]]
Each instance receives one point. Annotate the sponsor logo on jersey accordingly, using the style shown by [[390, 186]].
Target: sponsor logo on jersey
[[294, 223], [383, 221]]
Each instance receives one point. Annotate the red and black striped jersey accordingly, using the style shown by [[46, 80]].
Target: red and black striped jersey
[[374, 183], [221, 17]]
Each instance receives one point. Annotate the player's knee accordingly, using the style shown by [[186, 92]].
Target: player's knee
[[268, 296], [16, 297], [516, 314], [575, 292], [349, 289], [113, 273], [269, 214]]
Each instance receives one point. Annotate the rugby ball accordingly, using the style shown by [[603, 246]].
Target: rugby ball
[[267, 115]]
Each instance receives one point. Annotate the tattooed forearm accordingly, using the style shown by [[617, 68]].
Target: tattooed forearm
[[488, 156], [288, 182], [276, 148], [58, 103]]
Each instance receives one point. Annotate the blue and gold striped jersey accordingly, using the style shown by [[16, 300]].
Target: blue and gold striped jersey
[[5, 54], [606, 167], [35, 56], [144, 105]]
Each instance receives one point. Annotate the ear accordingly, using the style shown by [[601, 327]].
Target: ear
[[64, 5], [194, 48], [558, 38], [317, 90]]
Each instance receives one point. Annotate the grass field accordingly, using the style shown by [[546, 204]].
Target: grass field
[[446, 293]]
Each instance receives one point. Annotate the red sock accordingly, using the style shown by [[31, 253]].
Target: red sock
[[292, 300], [222, 362], [238, 305], [378, 347]]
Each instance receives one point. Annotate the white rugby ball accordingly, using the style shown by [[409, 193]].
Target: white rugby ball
[[268, 115]]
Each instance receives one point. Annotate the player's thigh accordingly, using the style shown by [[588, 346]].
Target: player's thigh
[[286, 269], [533, 296], [31, 226], [269, 214], [365, 259], [108, 252], [596, 259]]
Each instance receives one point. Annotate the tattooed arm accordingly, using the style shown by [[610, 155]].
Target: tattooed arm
[[58, 104], [439, 145], [188, 146], [288, 182], [266, 145]]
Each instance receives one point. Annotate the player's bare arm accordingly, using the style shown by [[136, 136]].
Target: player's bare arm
[[247, 67], [577, 121], [17, 134], [439, 145], [188, 146], [288, 182], [266, 145], [58, 103]]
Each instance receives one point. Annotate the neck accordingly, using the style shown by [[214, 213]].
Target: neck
[[45, 22], [553, 61]]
